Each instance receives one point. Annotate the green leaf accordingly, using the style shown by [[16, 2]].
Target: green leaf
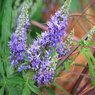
[[26, 90], [83, 50], [92, 58], [14, 90], [62, 89], [38, 35], [83, 42], [91, 68], [67, 65], [2, 91], [34, 88], [14, 80], [6, 20], [58, 70], [9, 70], [91, 44], [50, 91]]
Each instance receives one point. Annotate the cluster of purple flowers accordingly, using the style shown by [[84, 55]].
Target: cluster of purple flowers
[[56, 28], [18, 39], [43, 53], [41, 62], [40, 54]]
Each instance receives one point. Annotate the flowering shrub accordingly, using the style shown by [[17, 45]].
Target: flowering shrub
[[32, 65]]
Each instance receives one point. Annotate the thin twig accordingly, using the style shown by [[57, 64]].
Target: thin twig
[[76, 14], [74, 90], [43, 27], [91, 91], [85, 30], [80, 14], [81, 65], [83, 87], [90, 15]]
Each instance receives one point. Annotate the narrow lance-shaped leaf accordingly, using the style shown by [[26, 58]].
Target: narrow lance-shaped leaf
[[62, 89], [34, 88], [67, 65], [26, 90], [91, 68]]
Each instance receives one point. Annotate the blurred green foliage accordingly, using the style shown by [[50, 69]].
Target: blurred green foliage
[[77, 6]]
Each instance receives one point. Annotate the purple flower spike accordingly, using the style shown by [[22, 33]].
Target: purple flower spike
[[18, 39], [40, 52]]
